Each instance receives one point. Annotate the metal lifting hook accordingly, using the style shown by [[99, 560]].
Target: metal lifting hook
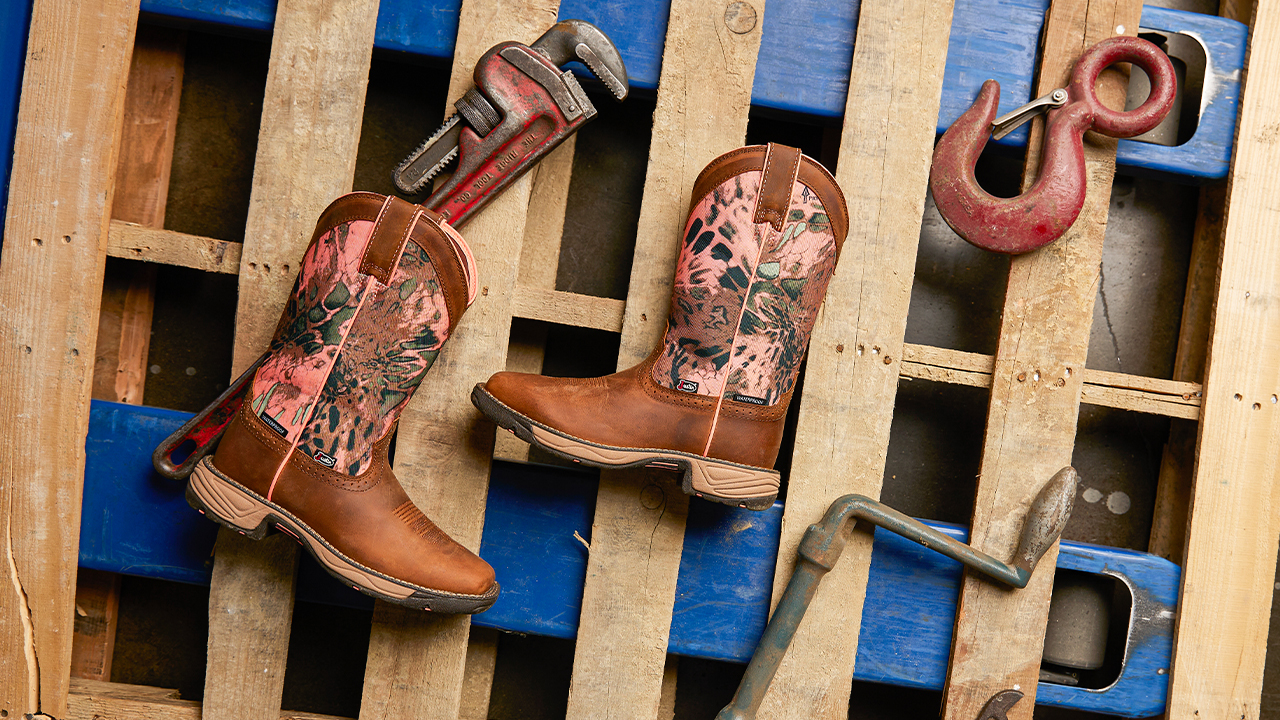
[[1045, 211]]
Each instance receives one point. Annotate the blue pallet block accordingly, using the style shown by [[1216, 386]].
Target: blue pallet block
[[806, 52], [136, 522]]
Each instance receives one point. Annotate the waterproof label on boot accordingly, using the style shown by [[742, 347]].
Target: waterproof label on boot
[[739, 397], [273, 424], [325, 460], [687, 386]]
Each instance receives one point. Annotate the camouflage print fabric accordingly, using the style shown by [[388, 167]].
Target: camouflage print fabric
[[393, 343], [349, 351], [316, 319], [745, 296]]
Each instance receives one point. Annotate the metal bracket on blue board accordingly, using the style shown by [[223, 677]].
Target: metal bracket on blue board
[[806, 51], [136, 522]]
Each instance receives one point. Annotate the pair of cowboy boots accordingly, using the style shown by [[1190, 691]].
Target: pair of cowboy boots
[[382, 285]]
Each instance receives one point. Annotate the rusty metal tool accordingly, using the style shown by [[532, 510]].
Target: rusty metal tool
[[999, 705], [522, 106], [1043, 213], [823, 542]]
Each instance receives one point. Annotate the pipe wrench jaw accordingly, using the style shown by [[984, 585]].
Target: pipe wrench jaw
[[512, 79], [539, 106]]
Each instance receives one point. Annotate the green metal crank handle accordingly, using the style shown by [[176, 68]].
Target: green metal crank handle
[[822, 544]]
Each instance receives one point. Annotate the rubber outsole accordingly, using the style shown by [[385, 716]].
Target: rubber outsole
[[232, 505], [720, 481]]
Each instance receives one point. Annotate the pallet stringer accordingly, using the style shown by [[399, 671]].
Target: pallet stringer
[[307, 140], [1036, 388], [417, 664], [856, 353], [637, 535]]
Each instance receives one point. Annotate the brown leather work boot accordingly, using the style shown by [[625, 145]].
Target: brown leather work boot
[[379, 289], [764, 232]]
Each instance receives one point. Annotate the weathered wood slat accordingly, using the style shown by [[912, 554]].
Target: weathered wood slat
[[124, 324], [64, 166], [539, 262], [638, 531], [1229, 564], [1036, 389], [1172, 398], [94, 700], [1173, 489], [856, 353], [312, 110], [417, 663], [566, 308], [170, 247]]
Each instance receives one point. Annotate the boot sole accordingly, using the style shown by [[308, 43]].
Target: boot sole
[[234, 506], [720, 481]]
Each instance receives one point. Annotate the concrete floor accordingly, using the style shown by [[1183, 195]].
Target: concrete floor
[[937, 429]]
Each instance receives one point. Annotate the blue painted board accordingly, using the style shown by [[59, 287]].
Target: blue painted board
[[806, 55], [15, 19], [136, 522]]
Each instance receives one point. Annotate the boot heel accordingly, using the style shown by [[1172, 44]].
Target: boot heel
[[750, 488], [225, 503]]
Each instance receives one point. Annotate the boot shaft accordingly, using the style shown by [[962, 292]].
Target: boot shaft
[[762, 239], [379, 289]]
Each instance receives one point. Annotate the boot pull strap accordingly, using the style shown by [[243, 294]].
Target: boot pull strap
[[390, 232], [781, 166]]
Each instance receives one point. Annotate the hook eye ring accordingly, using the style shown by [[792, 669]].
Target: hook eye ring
[[1118, 123]]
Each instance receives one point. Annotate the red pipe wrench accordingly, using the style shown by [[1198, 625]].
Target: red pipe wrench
[[522, 107]]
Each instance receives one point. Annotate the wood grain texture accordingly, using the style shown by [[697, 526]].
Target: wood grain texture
[[638, 532], [477, 683], [141, 189], [145, 157], [64, 165], [566, 308], [1229, 566], [96, 612], [539, 260], [93, 700], [444, 447], [312, 110], [169, 247], [1177, 464], [856, 352], [1036, 388]]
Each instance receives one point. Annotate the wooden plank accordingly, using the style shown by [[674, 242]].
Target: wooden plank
[[97, 603], [477, 683], [1177, 465], [638, 531], [93, 700], [1036, 388], [64, 165], [312, 110], [856, 352], [169, 247], [566, 308], [1173, 398], [417, 663], [124, 322], [539, 262], [1229, 568]]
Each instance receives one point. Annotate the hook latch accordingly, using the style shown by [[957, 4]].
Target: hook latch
[[1015, 119]]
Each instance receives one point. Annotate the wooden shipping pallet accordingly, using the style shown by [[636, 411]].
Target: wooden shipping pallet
[[59, 229]]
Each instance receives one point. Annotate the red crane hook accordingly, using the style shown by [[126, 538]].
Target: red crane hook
[[1045, 211]]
